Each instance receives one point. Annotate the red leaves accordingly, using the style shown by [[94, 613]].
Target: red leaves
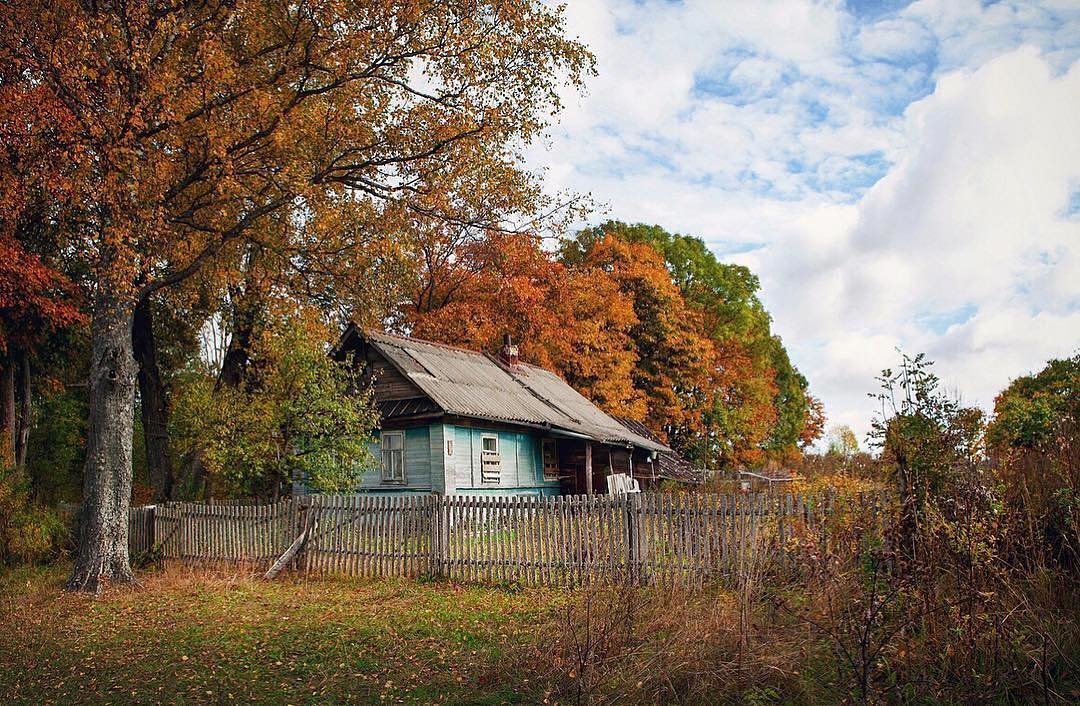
[[34, 298]]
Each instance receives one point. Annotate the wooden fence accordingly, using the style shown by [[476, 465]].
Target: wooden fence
[[645, 538]]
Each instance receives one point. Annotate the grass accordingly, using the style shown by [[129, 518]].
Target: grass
[[179, 637]]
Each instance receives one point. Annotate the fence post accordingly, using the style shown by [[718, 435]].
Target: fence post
[[301, 525], [632, 539], [440, 520], [151, 535]]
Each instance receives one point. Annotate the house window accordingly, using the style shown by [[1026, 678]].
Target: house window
[[551, 460], [490, 461], [393, 456]]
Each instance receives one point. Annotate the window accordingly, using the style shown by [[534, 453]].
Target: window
[[490, 461], [393, 456], [551, 460]]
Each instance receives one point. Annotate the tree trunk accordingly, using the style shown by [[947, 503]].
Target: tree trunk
[[245, 315], [103, 527], [7, 412], [155, 410], [22, 435]]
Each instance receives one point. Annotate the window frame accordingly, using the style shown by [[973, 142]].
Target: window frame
[[490, 471], [388, 478]]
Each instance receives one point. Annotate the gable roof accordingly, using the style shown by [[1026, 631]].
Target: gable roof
[[472, 384]]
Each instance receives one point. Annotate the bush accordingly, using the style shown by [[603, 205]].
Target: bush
[[28, 533]]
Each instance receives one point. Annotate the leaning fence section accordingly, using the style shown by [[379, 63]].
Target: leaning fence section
[[644, 538]]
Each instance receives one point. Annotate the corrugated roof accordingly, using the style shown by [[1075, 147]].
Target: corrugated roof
[[669, 465], [472, 384]]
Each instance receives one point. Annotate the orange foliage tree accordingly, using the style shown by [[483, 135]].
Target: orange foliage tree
[[472, 290], [678, 341], [191, 129]]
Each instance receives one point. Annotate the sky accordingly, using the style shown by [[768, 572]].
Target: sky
[[900, 176]]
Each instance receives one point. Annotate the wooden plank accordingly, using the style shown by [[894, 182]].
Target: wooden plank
[[588, 468]]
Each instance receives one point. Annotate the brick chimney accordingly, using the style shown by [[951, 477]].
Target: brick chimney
[[508, 354]]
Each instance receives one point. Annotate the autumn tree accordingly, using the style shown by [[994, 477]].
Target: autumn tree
[[761, 404], [474, 288], [34, 300], [194, 128], [842, 441], [675, 363]]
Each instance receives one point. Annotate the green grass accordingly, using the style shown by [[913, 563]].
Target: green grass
[[182, 638]]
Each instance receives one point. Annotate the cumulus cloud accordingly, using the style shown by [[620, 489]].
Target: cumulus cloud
[[911, 180]]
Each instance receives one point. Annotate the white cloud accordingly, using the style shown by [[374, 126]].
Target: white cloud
[[962, 249]]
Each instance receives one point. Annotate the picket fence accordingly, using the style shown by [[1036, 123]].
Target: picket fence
[[645, 538]]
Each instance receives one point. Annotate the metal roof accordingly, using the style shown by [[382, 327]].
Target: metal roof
[[669, 464], [472, 384]]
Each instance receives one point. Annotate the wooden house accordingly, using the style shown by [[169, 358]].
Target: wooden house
[[456, 421]]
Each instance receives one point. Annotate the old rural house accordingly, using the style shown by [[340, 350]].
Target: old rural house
[[457, 421]]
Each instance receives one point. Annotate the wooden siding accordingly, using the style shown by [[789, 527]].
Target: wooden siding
[[418, 464], [521, 465], [390, 384]]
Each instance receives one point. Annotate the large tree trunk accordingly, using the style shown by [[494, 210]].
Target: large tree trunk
[[22, 434], [103, 530], [7, 412], [155, 410]]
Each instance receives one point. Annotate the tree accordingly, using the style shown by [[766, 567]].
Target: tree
[[296, 414], [842, 441], [33, 302], [761, 402], [1034, 443], [674, 361], [576, 321], [1035, 411], [929, 440], [187, 130]]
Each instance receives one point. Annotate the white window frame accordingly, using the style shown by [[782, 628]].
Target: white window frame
[[388, 473], [490, 461]]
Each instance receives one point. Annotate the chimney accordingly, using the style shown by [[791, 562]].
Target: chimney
[[508, 354]]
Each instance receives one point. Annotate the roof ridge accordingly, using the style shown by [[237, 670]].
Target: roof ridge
[[412, 339]]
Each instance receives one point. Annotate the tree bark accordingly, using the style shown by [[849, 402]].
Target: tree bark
[[245, 315], [22, 435], [154, 409], [103, 527], [7, 412]]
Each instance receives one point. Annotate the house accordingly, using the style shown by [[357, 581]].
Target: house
[[456, 421]]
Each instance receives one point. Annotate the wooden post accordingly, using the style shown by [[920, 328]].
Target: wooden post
[[632, 540], [588, 468], [301, 533]]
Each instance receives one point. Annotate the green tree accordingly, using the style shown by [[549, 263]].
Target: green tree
[[298, 414]]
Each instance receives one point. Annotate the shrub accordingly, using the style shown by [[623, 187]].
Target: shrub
[[28, 533]]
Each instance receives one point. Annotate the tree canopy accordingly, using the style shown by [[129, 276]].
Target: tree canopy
[[650, 325], [172, 138]]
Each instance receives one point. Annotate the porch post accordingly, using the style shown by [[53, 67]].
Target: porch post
[[588, 468]]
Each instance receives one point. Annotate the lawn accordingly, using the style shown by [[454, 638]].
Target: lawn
[[185, 638]]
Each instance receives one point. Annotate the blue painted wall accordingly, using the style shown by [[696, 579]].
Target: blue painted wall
[[418, 464], [431, 464], [521, 467]]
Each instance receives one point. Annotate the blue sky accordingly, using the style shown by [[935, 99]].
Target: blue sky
[[900, 175]]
